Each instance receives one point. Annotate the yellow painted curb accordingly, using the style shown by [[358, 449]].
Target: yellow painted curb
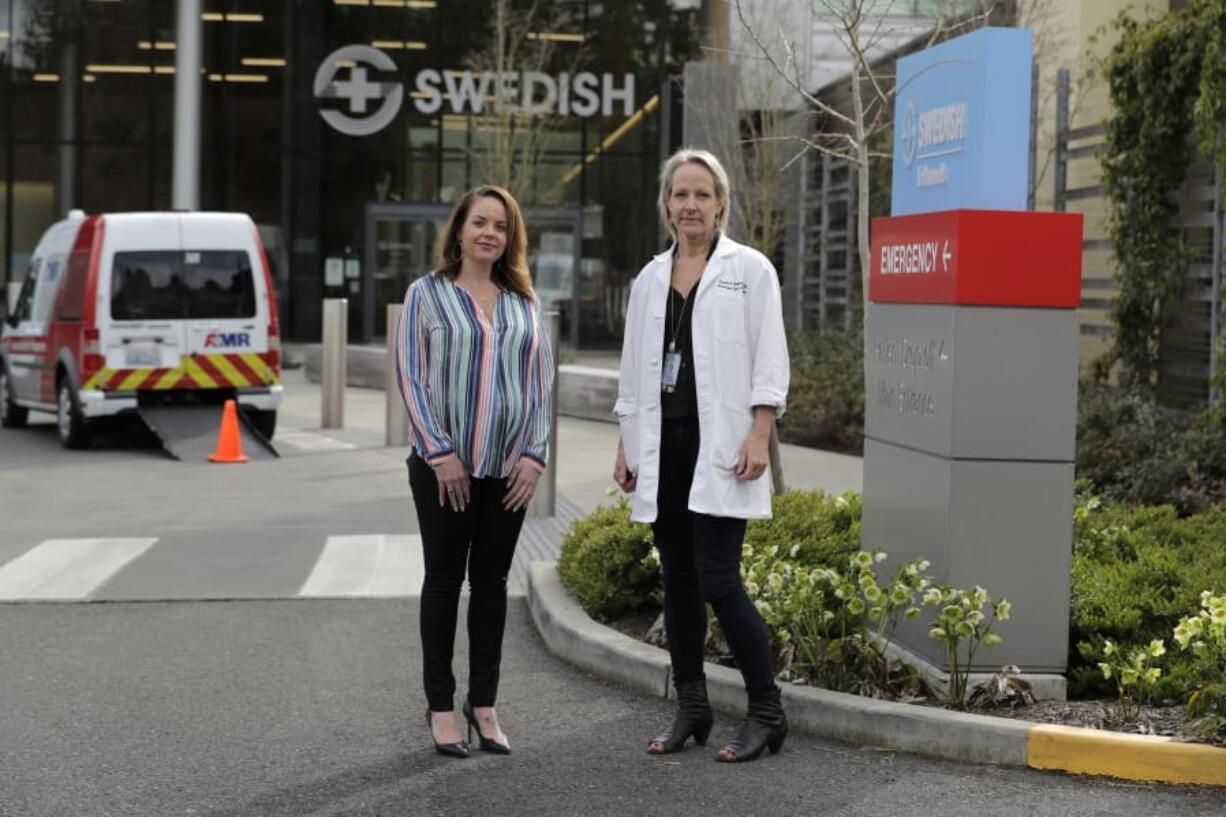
[[1131, 757]]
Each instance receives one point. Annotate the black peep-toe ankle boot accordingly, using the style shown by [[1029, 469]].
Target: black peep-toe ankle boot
[[765, 726], [694, 719]]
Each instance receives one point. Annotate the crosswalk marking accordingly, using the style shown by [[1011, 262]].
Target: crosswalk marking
[[67, 569], [312, 441], [374, 565]]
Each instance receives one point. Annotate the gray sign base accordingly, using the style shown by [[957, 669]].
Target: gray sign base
[[1004, 525]]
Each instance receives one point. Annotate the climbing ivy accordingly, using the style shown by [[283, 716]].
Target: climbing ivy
[[1167, 81]]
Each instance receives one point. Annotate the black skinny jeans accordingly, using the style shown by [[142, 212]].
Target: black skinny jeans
[[482, 539], [700, 559]]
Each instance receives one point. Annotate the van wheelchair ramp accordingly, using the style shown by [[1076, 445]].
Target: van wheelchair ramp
[[189, 432]]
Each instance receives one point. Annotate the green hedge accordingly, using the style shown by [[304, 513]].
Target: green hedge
[[1133, 450], [608, 563], [1136, 572], [826, 394], [825, 529]]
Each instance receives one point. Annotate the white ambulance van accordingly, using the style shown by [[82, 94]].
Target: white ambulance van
[[119, 311]]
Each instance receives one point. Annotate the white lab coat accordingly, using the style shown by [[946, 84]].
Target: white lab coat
[[740, 361]]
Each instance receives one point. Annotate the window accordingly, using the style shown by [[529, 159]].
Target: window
[[48, 286], [199, 284], [25, 298]]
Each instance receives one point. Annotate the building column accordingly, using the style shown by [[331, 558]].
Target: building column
[[188, 69]]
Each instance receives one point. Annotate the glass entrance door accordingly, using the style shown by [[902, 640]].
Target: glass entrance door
[[400, 241]]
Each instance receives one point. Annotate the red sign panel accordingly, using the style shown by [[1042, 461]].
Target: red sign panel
[[978, 258]]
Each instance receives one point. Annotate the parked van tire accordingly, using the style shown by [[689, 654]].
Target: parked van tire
[[265, 422], [73, 429], [11, 414]]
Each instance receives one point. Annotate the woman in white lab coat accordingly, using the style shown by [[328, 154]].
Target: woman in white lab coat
[[704, 373]]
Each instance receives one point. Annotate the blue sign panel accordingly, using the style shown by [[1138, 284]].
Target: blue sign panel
[[962, 124]]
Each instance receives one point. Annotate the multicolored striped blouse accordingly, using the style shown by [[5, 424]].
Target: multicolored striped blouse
[[476, 390]]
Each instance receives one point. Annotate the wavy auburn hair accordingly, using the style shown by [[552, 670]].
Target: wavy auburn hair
[[511, 269]]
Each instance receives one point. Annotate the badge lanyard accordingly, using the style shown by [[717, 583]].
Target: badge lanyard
[[672, 360]]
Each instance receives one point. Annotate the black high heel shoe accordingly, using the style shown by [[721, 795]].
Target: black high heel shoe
[[486, 744], [457, 749], [694, 718], [765, 726]]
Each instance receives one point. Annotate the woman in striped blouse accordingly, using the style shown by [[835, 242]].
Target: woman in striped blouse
[[475, 370]]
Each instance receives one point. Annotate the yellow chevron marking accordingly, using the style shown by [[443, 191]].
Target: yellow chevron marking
[[259, 367], [233, 375], [100, 377], [170, 378], [199, 375], [133, 380]]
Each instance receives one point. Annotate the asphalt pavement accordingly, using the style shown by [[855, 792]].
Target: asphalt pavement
[[193, 671], [314, 708]]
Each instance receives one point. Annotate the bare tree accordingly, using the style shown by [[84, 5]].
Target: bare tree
[[861, 27]]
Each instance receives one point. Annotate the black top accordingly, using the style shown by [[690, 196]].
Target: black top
[[682, 401]]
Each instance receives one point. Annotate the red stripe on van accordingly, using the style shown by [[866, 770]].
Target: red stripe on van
[[238, 363], [274, 321], [154, 376], [97, 226], [212, 371], [117, 379]]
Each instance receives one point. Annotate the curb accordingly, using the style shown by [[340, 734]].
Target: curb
[[570, 634]]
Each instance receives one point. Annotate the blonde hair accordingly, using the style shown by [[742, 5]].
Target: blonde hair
[[511, 269], [723, 192]]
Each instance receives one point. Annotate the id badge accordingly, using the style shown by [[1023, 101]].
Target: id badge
[[672, 368]]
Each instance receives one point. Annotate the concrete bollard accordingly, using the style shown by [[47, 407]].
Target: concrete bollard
[[544, 501], [397, 423], [335, 340]]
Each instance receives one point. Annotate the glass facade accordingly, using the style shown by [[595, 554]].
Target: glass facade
[[347, 128]]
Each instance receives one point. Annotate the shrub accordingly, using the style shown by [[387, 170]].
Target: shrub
[[608, 563], [825, 528], [1136, 571], [826, 395], [1205, 635], [1133, 450], [829, 625], [1134, 672], [962, 626]]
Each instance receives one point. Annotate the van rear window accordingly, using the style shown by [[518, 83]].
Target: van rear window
[[162, 285]]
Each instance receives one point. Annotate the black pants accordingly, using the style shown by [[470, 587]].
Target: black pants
[[700, 559], [482, 539]]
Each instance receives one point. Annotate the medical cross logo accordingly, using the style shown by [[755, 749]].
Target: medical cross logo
[[910, 133], [358, 90]]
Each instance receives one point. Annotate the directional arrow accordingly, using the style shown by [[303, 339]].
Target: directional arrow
[[945, 257]]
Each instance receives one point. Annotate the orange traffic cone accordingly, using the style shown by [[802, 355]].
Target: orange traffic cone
[[229, 446]]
